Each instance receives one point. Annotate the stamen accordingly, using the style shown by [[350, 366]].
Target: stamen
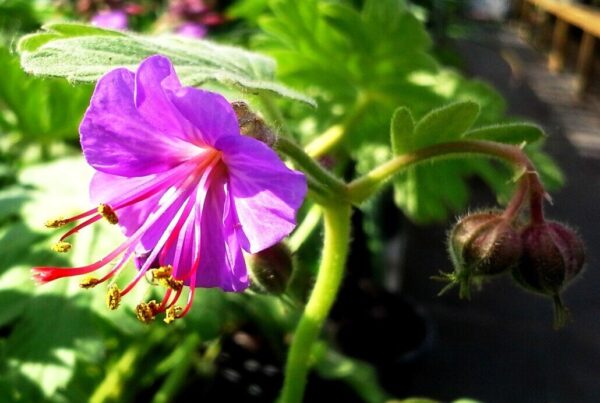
[[113, 297], [80, 226], [124, 259], [163, 275], [89, 282], [175, 298], [61, 247], [191, 275], [56, 222], [108, 213], [172, 313], [60, 221], [177, 219], [146, 312], [163, 272], [190, 300], [173, 284], [49, 273], [165, 299]]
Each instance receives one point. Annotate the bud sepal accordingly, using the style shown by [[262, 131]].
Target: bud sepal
[[481, 245]]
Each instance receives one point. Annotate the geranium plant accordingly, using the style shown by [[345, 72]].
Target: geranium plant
[[205, 161]]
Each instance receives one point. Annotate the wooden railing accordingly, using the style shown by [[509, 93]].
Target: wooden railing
[[570, 14]]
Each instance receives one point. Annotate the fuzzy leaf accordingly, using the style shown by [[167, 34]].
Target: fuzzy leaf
[[82, 53], [512, 133], [402, 131], [445, 124]]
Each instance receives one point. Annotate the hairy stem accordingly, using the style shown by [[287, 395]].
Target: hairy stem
[[311, 167], [362, 188], [516, 202], [329, 278]]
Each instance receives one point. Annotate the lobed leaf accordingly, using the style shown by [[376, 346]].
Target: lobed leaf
[[446, 123], [82, 53], [512, 133]]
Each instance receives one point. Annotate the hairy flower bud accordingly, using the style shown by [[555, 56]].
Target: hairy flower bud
[[270, 270], [552, 256], [252, 125], [482, 244]]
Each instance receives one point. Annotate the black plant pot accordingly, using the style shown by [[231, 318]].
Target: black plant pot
[[385, 329]]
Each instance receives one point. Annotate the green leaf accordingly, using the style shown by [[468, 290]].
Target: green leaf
[[82, 53], [445, 124], [402, 131], [44, 110], [428, 192], [347, 21], [512, 133]]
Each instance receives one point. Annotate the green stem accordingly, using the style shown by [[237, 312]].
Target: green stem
[[329, 278], [311, 167], [326, 141], [307, 164], [336, 133], [362, 188], [306, 227]]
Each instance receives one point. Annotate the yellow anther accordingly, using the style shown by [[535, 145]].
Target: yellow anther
[[55, 223], [113, 297], [145, 312], [175, 285], [61, 247], [108, 213], [164, 276], [162, 272], [89, 282], [172, 313]]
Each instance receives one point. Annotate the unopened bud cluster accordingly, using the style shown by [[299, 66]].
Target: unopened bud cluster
[[542, 256]]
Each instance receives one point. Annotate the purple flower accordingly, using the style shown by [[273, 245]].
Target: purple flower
[[192, 30], [114, 19], [186, 188]]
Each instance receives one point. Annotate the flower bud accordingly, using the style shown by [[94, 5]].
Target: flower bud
[[552, 256], [482, 244], [252, 125], [270, 269]]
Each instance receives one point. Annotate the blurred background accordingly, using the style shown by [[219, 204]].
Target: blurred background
[[389, 335]]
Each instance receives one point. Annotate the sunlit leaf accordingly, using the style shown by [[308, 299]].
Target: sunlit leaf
[[445, 124], [82, 53]]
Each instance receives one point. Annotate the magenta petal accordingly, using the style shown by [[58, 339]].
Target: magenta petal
[[210, 113], [221, 260], [107, 188], [116, 139], [155, 80], [180, 254], [265, 192]]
